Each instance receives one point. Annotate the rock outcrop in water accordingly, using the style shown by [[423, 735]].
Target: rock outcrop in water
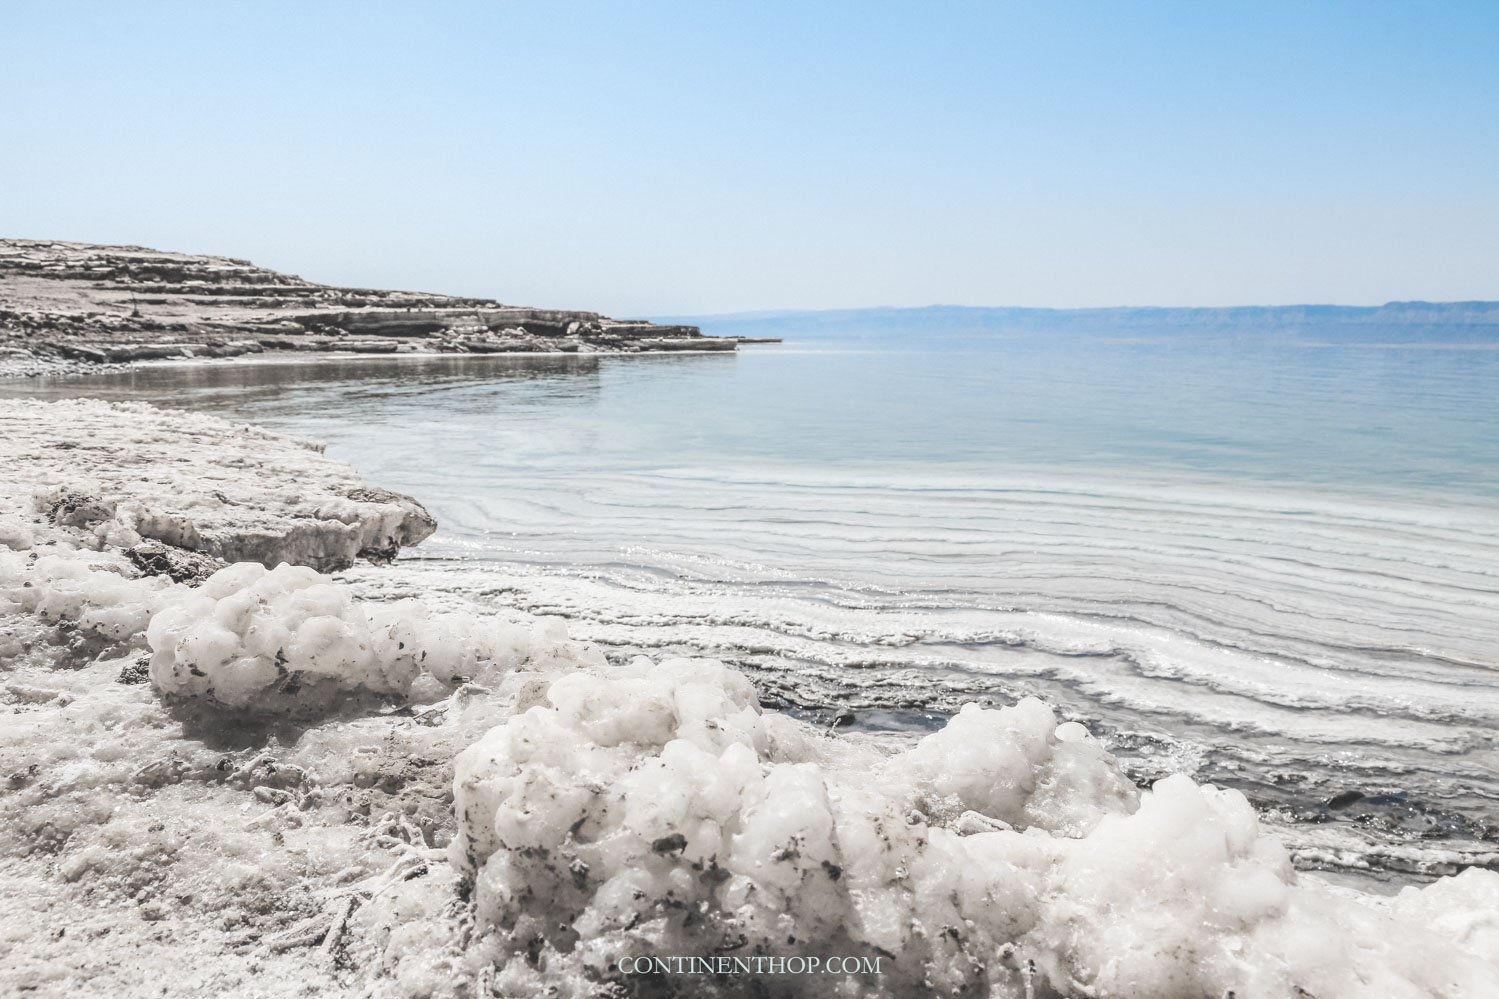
[[104, 304]]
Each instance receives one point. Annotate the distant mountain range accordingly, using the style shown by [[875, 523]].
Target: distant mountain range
[[1394, 322]]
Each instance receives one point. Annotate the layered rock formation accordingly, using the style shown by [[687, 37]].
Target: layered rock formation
[[126, 303]]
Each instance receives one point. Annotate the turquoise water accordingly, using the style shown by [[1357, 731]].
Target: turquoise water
[[1416, 417], [1272, 567]]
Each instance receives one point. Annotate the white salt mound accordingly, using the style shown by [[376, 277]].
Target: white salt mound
[[653, 809], [291, 640], [141, 851], [61, 602]]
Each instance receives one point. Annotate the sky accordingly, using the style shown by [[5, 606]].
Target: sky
[[643, 158]]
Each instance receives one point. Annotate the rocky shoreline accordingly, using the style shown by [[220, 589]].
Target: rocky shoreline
[[75, 306]]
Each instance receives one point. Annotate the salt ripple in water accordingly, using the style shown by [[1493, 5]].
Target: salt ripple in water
[[1270, 569]]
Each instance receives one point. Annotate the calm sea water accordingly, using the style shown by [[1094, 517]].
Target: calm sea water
[[1273, 568]]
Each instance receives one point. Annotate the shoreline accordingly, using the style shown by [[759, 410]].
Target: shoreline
[[374, 761], [1378, 856], [59, 367]]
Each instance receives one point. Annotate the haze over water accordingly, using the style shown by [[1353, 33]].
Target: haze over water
[[1272, 567]]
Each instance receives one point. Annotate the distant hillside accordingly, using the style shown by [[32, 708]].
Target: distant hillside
[[1395, 322]]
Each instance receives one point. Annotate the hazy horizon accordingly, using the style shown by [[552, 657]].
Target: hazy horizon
[[673, 159], [875, 307], [1164, 306]]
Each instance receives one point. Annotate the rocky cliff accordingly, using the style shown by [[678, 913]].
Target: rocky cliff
[[125, 303]]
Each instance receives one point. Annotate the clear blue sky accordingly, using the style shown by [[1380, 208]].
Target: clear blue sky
[[656, 158]]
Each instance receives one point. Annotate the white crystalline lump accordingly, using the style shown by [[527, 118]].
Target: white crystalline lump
[[86, 589], [641, 809], [55, 595], [1017, 766], [654, 810], [291, 638], [1461, 908]]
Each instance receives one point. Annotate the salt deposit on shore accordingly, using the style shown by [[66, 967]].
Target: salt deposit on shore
[[263, 785], [127, 471]]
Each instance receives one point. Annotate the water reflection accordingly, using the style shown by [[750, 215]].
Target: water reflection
[[235, 384]]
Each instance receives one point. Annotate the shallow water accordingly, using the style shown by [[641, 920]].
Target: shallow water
[[1273, 568]]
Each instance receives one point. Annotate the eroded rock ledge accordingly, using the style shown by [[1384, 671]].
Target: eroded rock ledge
[[109, 304], [131, 474]]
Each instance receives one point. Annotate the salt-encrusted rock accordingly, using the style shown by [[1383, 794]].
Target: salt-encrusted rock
[[126, 472], [219, 868], [153, 558]]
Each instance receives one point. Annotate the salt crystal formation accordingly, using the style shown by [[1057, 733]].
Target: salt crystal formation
[[653, 810], [221, 860], [290, 640], [403, 799], [62, 603]]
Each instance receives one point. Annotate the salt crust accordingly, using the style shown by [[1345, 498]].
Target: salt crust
[[290, 640], [294, 831], [654, 809], [123, 472]]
